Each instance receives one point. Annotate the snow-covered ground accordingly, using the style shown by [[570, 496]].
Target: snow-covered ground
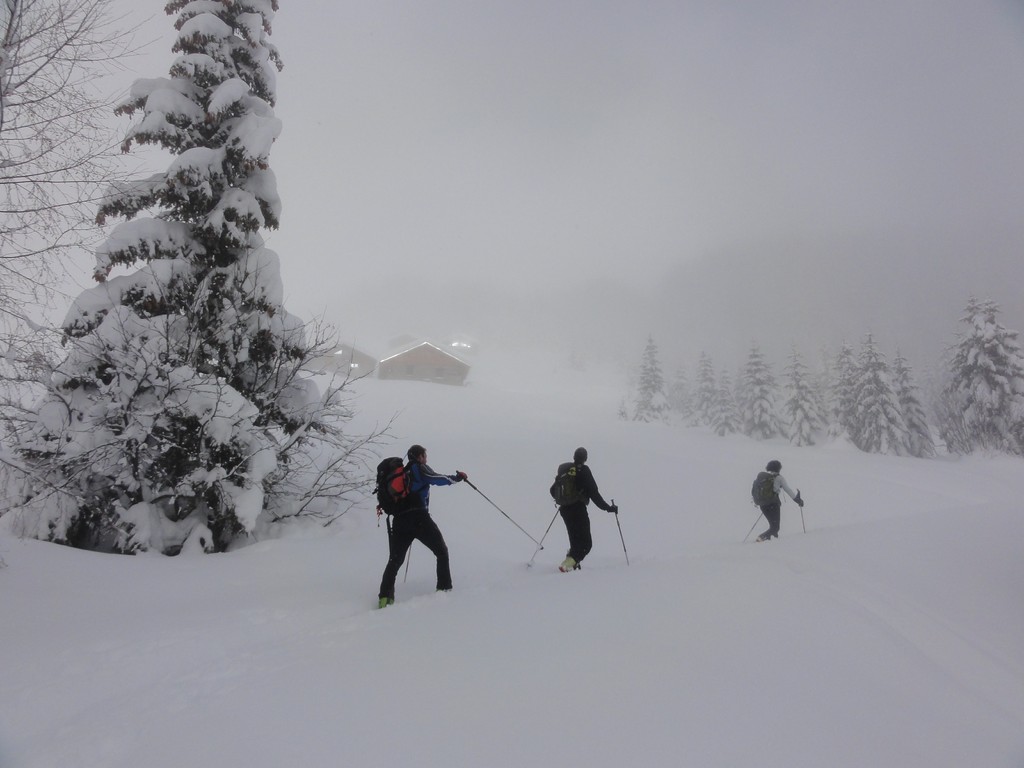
[[891, 634]]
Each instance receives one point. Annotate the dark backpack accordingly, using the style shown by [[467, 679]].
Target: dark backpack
[[393, 483], [763, 489], [566, 490]]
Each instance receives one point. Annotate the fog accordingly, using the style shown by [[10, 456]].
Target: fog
[[586, 173]]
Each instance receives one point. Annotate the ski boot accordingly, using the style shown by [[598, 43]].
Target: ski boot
[[569, 564]]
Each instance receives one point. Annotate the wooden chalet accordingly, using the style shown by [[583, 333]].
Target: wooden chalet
[[346, 360], [424, 362]]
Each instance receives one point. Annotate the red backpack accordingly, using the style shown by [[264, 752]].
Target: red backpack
[[393, 484]]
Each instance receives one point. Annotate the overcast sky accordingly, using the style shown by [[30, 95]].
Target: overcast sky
[[476, 148]]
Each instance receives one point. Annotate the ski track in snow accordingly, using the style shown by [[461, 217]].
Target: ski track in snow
[[980, 670]]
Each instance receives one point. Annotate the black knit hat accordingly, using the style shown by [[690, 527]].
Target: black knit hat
[[774, 466], [579, 456]]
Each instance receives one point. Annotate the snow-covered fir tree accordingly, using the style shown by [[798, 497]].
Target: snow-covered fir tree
[[726, 419], [801, 408], [987, 380], [706, 394], [880, 427], [651, 402], [680, 398], [843, 395], [821, 385], [758, 392], [919, 434], [949, 418], [180, 418]]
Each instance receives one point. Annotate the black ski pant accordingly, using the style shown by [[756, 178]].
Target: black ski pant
[[407, 527], [772, 512], [577, 525]]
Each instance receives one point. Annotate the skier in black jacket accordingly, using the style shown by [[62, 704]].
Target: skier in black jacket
[[575, 515], [414, 522]]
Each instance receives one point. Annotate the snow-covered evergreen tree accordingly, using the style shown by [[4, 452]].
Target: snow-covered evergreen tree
[[758, 392], [919, 435], [801, 407], [180, 417], [843, 395], [949, 418], [651, 402], [706, 394], [987, 380], [880, 427], [726, 419], [680, 397], [821, 390]]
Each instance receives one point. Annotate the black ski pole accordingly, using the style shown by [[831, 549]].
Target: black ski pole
[[540, 544], [408, 559], [620, 534], [517, 525], [801, 505], [759, 516]]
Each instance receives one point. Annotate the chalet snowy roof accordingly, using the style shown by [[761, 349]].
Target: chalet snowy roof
[[431, 346]]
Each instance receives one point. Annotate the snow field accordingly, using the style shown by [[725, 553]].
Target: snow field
[[888, 635]]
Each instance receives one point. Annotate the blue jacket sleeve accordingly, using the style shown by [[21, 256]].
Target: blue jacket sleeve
[[422, 478], [430, 477]]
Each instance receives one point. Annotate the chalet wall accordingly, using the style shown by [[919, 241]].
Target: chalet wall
[[424, 363]]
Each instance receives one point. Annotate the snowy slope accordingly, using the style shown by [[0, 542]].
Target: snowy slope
[[891, 634]]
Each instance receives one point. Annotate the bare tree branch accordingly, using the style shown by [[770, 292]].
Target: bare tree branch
[[57, 147]]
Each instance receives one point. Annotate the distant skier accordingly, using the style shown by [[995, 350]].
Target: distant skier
[[765, 492], [573, 489], [414, 522]]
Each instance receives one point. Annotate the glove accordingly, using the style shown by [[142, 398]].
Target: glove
[[460, 476], [799, 501], [614, 509]]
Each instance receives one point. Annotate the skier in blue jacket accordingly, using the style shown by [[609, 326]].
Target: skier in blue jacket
[[413, 522]]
